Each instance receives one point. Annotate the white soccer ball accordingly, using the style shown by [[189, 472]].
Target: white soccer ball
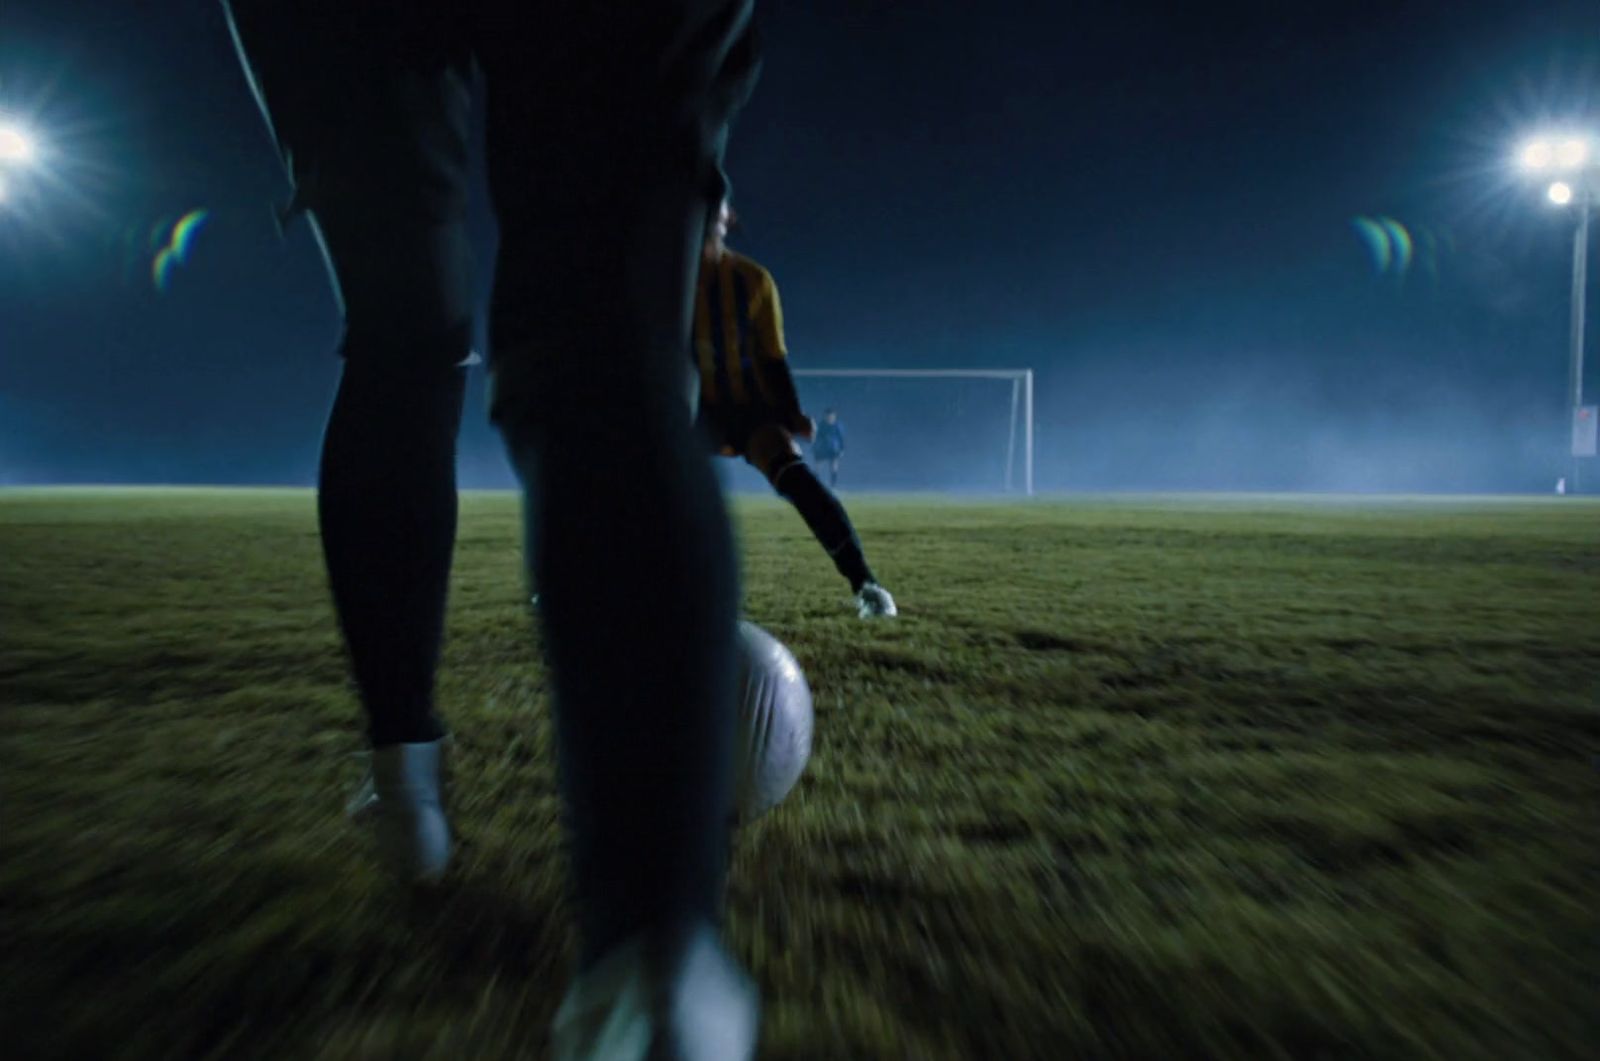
[[775, 717]]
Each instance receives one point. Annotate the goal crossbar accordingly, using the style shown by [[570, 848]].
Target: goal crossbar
[[1021, 401]]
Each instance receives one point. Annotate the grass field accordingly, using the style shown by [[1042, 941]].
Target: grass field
[[1130, 778]]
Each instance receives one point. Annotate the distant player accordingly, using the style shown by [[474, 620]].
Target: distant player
[[748, 400], [828, 446]]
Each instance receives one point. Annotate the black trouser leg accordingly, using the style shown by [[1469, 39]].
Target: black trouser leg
[[638, 586], [387, 489], [826, 517], [369, 108], [615, 128], [386, 504]]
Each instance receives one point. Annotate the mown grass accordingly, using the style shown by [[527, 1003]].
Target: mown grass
[[1130, 778]]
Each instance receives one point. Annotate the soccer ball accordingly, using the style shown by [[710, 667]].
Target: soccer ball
[[775, 717]]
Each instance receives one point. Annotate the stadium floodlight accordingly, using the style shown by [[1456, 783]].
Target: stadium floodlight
[[1556, 154], [1021, 380], [1537, 155], [17, 146], [1574, 158], [18, 150]]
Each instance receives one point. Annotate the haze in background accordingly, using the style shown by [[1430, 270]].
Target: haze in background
[[1278, 251]]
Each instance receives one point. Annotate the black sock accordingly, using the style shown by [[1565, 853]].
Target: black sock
[[826, 517]]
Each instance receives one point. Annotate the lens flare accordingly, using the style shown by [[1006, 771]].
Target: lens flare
[[1400, 239], [1560, 193], [161, 269], [177, 247], [1376, 238], [184, 232], [1388, 242]]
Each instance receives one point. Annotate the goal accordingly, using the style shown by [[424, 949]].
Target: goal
[[1019, 431]]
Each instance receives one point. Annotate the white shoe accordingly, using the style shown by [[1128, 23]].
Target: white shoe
[[683, 1000], [873, 601], [402, 798]]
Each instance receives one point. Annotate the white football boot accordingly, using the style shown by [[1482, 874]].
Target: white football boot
[[402, 796], [646, 1000], [873, 601]]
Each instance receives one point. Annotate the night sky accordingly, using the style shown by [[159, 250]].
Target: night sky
[[1154, 206]]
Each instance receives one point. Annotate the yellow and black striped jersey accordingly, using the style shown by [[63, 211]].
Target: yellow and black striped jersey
[[738, 340]]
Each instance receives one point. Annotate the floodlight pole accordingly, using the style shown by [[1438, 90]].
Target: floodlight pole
[[1580, 284]]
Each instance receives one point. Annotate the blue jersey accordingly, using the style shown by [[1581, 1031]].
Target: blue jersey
[[829, 442]]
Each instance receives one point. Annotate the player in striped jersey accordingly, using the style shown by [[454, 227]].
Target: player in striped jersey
[[748, 400]]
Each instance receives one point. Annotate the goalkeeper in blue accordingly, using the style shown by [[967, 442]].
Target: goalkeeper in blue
[[748, 402], [828, 446]]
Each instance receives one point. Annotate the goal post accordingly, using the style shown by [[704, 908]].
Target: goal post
[[1021, 380]]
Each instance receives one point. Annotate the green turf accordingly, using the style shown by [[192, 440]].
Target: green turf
[[1144, 778]]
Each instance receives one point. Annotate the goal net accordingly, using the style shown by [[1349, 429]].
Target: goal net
[[944, 430]]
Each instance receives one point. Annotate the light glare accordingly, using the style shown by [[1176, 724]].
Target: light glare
[[1573, 152], [1560, 193], [1537, 155], [15, 144]]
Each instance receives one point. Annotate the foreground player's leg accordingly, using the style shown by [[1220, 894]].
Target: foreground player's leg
[[387, 501], [600, 140], [376, 148], [387, 507], [628, 512]]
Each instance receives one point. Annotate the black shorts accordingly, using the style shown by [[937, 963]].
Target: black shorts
[[370, 110]]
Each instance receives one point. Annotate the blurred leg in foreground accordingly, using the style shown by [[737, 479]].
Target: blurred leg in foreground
[[605, 120], [600, 139], [371, 116]]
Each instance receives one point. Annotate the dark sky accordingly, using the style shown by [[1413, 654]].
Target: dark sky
[[1151, 205]]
